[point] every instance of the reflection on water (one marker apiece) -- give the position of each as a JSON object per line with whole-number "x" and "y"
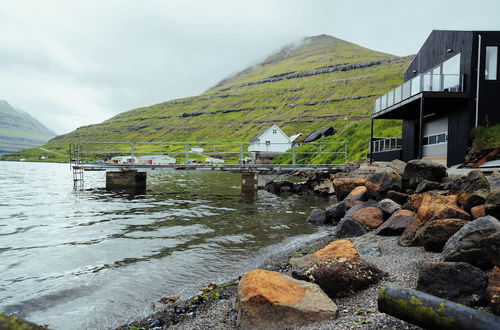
{"x": 96, "y": 258}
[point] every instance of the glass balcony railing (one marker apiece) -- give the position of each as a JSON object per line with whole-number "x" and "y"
{"x": 387, "y": 144}
{"x": 425, "y": 82}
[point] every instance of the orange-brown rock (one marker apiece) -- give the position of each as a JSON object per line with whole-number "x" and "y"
{"x": 493, "y": 290}
{"x": 357, "y": 195}
{"x": 462, "y": 197}
{"x": 271, "y": 300}
{"x": 343, "y": 186}
{"x": 433, "y": 207}
{"x": 413, "y": 202}
{"x": 478, "y": 211}
{"x": 370, "y": 217}
{"x": 336, "y": 250}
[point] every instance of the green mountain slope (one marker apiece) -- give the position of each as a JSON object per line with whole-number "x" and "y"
{"x": 316, "y": 83}
{"x": 18, "y": 130}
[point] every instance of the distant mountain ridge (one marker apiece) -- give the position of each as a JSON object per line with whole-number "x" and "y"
{"x": 315, "y": 83}
{"x": 19, "y": 130}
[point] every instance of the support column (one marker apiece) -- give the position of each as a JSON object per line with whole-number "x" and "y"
{"x": 128, "y": 179}
{"x": 421, "y": 129}
{"x": 371, "y": 141}
{"x": 249, "y": 185}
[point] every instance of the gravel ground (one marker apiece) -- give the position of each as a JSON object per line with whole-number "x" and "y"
{"x": 355, "y": 312}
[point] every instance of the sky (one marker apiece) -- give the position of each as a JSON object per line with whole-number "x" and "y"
{"x": 74, "y": 63}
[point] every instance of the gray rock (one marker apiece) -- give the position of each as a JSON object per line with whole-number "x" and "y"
{"x": 349, "y": 228}
{"x": 465, "y": 244}
{"x": 317, "y": 217}
{"x": 475, "y": 180}
{"x": 475, "y": 199}
{"x": 493, "y": 197}
{"x": 396, "y": 224}
{"x": 398, "y": 166}
{"x": 456, "y": 281}
{"x": 491, "y": 248}
{"x": 419, "y": 169}
{"x": 453, "y": 182}
{"x": 388, "y": 206}
{"x": 397, "y": 196}
{"x": 337, "y": 211}
{"x": 361, "y": 205}
{"x": 426, "y": 185}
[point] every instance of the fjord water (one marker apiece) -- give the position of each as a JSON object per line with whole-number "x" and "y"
{"x": 94, "y": 259}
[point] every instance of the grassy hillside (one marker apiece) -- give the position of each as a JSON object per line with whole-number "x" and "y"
{"x": 18, "y": 130}
{"x": 316, "y": 83}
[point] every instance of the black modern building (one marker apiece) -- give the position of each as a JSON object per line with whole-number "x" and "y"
{"x": 452, "y": 86}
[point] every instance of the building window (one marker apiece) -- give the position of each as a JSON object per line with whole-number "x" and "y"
{"x": 268, "y": 143}
{"x": 435, "y": 139}
{"x": 490, "y": 70}
{"x": 275, "y": 131}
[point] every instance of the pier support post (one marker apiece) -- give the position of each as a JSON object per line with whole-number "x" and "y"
{"x": 249, "y": 185}
{"x": 128, "y": 179}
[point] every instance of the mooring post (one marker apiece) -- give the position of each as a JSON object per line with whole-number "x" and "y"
{"x": 294, "y": 156}
{"x": 187, "y": 154}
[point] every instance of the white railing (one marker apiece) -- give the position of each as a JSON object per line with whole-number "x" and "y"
{"x": 386, "y": 144}
{"x": 425, "y": 82}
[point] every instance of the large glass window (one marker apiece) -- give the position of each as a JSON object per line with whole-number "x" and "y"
{"x": 452, "y": 65}
{"x": 490, "y": 72}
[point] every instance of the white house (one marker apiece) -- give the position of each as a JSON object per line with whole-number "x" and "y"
{"x": 213, "y": 160}
{"x": 270, "y": 142}
{"x": 156, "y": 160}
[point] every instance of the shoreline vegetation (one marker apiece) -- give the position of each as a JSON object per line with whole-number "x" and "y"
{"x": 413, "y": 225}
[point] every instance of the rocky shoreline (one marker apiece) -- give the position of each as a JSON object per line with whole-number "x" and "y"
{"x": 414, "y": 225}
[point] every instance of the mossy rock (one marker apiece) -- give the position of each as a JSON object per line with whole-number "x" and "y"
{"x": 13, "y": 323}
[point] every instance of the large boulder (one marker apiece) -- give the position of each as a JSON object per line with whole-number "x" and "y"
{"x": 317, "y": 217}
{"x": 433, "y": 207}
{"x": 434, "y": 235}
{"x": 343, "y": 186}
{"x": 360, "y": 205}
{"x": 397, "y": 223}
{"x": 271, "y": 300}
{"x": 465, "y": 244}
{"x": 493, "y": 197}
{"x": 336, "y": 211}
{"x": 456, "y": 281}
{"x": 413, "y": 202}
{"x": 278, "y": 187}
{"x": 475, "y": 180}
{"x": 493, "y": 290}
{"x": 453, "y": 183}
{"x": 475, "y": 199}
{"x": 349, "y": 228}
{"x": 398, "y": 166}
{"x": 398, "y": 197}
{"x": 418, "y": 170}
{"x": 388, "y": 207}
{"x": 357, "y": 194}
{"x": 382, "y": 181}
{"x": 370, "y": 217}
{"x": 491, "y": 247}
{"x": 427, "y": 185}
{"x": 325, "y": 187}
{"x": 337, "y": 269}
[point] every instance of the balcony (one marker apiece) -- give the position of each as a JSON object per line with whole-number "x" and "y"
{"x": 425, "y": 82}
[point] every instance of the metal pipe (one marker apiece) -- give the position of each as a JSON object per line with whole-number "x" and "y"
{"x": 478, "y": 78}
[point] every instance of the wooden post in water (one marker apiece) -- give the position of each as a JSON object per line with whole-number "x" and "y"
{"x": 249, "y": 185}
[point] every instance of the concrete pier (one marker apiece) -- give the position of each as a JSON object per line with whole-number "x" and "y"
{"x": 128, "y": 179}
{"x": 249, "y": 181}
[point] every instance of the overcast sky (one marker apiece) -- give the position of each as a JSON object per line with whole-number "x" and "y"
{"x": 73, "y": 63}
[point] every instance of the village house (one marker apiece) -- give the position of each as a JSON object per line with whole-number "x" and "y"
{"x": 451, "y": 86}
{"x": 270, "y": 143}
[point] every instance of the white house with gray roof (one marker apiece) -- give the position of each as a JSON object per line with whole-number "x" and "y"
{"x": 271, "y": 141}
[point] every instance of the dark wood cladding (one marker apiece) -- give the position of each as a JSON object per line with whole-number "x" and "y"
{"x": 489, "y": 90}
{"x": 410, "y": 140}
{"x": 458, "y": 126}
{"x": 386, "y": 156}
{"x": 435, "y": 51}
